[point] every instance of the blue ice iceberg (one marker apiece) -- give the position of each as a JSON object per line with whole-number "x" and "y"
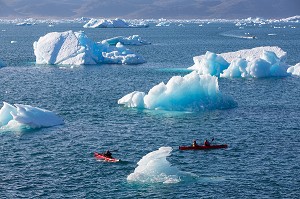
{"x": 155, "y": 168}
{"x": 267, "y": 61}
{"x": 112, "y": 23}
{"x": 131, "y": 40}
{"x": 24, "y": 116}
{"x": 75, "y": 48}
{"x": 193, "y": 92}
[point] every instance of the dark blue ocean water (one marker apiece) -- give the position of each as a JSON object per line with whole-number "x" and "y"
{"x": 262, "y": 132}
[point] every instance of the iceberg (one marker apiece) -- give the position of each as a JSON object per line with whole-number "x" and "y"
{"x": 294, "y": 70}
{"x": 75, "y": 48}
{"x": 193, "y": 92}
{"x": 268, "y": 65}
{"x": 131, "y": 40}
{"x": 268, "y": 61}
{"x": 155, "y": 168}
{"x": 28, "y": 117}
{"x": 111, "y": 23}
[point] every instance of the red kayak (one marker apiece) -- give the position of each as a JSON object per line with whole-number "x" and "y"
{"x": 100, "y": 156}
{"x": 203, "y": 147}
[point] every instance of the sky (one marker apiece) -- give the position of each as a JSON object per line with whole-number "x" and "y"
{"x": 148, "y": 9}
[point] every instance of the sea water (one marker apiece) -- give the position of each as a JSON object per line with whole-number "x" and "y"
{"x": 263, "y": 157}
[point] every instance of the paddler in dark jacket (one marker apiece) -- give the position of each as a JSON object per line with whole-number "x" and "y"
{"x": 107, "y": 154}
{"x": 194, "y": 143}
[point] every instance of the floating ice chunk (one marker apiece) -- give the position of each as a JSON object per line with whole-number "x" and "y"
{"x": 155, "y": 168}
{"x": 163, "y": 23}
{"x": 212, "y": 64}
{"x": 294, "y": 70}
{"x": 253, "y": 53}
{"x": 25, "y": 116}
{"x": 131, "y": 40}
{"x": 24, "y": 24}
{"x": 268, "y": 65}
{"x": 193, "y": 92}
{"x": 114, "y": 23}
{"x": 75, "y": 48}
{"x": 256, "y": 62}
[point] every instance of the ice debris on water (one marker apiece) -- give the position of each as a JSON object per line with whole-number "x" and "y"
{"x": 75, "y": 48}
{"x": 131, "y": 40}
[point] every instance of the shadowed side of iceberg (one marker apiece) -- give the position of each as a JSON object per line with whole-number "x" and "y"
{"x": 24, "y": 116}
{"x": 192, "y": 92}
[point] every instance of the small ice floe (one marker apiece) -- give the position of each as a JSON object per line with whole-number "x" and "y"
{"x": 19, "y": 116}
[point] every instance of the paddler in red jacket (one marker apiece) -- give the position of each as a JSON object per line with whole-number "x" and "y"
{"x": 206, "y": 143}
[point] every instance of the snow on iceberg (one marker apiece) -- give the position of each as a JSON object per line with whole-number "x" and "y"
{"x": 131, "y": 40}
{"x": 193, "y": 92}
{"x": 77, "y": 49}
{"x": 258, "y": 62}
{"x": 294, "y": 70}
{"x": 112, "y": 23}
{"x": 25, "y": 116}
{"x": 155, "y": 168}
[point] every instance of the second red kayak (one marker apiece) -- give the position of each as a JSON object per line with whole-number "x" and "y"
{"x": 203, "y": 147}
{"x": 100, "y": 156}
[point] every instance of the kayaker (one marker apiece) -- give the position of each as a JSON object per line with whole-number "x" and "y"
{"x": 194, "y": 143}
{"x": 206, "y": 143}
{"x": 107, "y": 154}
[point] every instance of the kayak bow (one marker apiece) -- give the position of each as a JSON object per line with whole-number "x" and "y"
{"x": 203, "y": 147}
{"x": 100, "y": 156}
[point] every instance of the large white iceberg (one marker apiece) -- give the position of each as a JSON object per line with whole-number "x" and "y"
{"x": 28, "y": 117}
{"x": 75, "y": 48}
{"x": 258, "y": 62}
{"x": 131, "y": 40}
{"x": 294, "y": 70}
{"x": 155, "y": 168}
{"x": 193, "y": 92}
{"x": 112, "y": 23}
